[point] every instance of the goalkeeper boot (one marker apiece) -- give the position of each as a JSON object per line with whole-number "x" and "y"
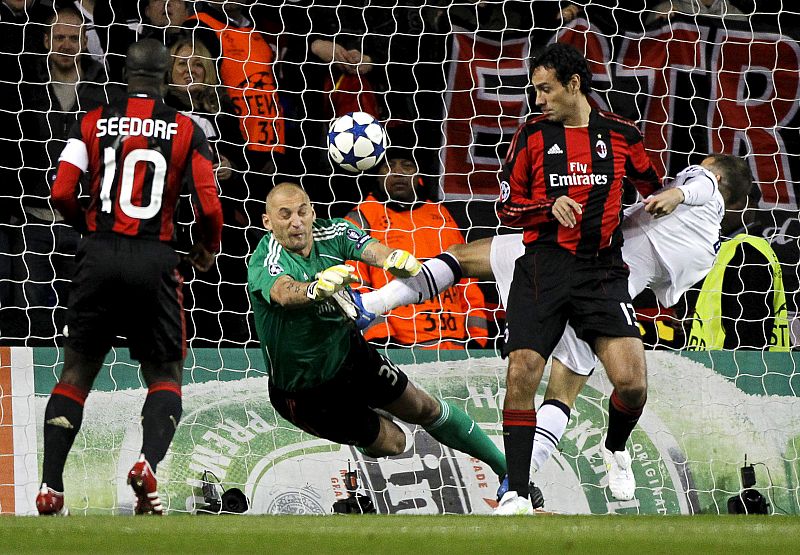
{"x": 50, "y": 502}
{"x": 513, "y": 504}
{"x": 350, "y": 304}
{"x": 535, "y": 493}
{"x": 143, "y": 481}
{"x": 620, "y": 474}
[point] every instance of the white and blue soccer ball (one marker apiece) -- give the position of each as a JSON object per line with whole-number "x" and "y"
{"x": 356, "y": 142}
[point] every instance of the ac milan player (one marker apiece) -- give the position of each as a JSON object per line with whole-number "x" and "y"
{"x": 563, "y": 181}
{"x": 139, "y": 154}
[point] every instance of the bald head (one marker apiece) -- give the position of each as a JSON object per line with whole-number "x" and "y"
{"x": 283, "y": 189}
{"x": 147, "y": 59}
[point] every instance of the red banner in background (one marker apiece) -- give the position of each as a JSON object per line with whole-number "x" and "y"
{"x": 694, "y": 86}
{"x": 697, "y": 87}
{"x": 485, "y": 100}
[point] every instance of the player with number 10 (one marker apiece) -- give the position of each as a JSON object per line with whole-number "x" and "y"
{"x": 139, "y": 154}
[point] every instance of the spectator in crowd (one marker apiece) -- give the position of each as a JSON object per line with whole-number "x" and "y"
{"x": 194, "y": 89}
{"x": 95, "y": 35}
{"x": 21, "y": 23}
{"x": 400, "y": 216}
{"x": 227, "y": 30}
{"x": 66, "y": 83}
{"x": 616, "y": 16}
{"x": 336, "y": 61}
{"x": 166, "y": 16}
{"x": 128, "y": 22}
{"x": 741, "y": 303}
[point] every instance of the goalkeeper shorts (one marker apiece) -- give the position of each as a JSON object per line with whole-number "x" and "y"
{"x": 341, "y": 409}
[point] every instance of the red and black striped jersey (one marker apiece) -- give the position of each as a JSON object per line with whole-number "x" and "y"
{"x": 140, "y": 155}
{"x": 547, "y": 160}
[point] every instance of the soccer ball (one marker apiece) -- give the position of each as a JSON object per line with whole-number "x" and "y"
{"x": 356, "y": 142}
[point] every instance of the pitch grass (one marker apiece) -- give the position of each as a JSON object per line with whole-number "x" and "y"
{"x": 348, "y": 534}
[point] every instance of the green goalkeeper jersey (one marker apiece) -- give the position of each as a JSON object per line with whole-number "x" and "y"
{"x": 304, "y": 346}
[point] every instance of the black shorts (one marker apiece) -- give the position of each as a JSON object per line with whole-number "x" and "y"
{"x": 341, "y": 409}
{"x": 551, "y": 287}
{"x": 126, "y": 287}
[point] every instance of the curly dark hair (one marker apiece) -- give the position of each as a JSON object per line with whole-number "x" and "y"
{"x": 566, "y": 61}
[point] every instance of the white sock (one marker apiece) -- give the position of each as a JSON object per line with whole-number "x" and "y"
{"x": 437, "y": 275}
{"x": 551, "y": 421}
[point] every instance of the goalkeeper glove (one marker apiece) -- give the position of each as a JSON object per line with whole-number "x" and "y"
{"x": 402, "y": 264}
{"x": 331, "y": 280}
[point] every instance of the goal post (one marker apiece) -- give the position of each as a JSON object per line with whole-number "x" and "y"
{"x": 450, "y": 80}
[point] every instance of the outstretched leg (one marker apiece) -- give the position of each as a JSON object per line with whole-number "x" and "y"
{"x": 471, "y": 260}
{"x": 448, "y": 424}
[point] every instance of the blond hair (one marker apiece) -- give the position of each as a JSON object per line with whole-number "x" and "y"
{"x": 206, "y": 98}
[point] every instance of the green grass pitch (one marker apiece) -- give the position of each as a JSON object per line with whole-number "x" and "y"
{"x": 376, "y": 534}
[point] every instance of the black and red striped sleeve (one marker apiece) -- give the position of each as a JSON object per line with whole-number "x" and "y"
{"x": 73, "y": 161}
{"x": 519, "y": 205}
{"x": 203, "y": 187}
{"x": 639, "y": 169}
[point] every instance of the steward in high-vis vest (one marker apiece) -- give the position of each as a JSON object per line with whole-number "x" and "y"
{"x": 246, "y": 71}
{"x": 425, "y": 229}
{"x": 742, "y": 303}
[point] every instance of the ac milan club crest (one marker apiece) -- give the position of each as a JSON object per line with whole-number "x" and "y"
{"x": 601, "y": 148}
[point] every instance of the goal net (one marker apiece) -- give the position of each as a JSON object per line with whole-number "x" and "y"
{"x": 450, "y": 83}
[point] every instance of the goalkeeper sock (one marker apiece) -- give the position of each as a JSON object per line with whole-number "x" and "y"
{"x": 62, "y": 421}
{"x": 160, "y": 416}
{"x": 551, "y": 421}
{"x": 519, "y": 428}
{"x": 621, "y": 421}
{"x": 437, "y": 274}
{"x": 456, "y": 429}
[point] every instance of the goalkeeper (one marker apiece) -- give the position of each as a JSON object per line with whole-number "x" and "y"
{"x": 323, "y": 376}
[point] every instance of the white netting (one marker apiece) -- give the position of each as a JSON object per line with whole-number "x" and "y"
{"x": 449, "y": 80}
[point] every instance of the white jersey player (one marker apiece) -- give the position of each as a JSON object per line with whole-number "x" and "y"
{"x": 670, "y": 241}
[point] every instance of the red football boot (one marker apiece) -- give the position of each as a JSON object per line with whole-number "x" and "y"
{"x": 50, "y": 502}
{"x": 143, "y": 481}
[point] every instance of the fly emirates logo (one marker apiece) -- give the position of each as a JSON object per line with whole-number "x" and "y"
{"x": 577, "y": 176}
